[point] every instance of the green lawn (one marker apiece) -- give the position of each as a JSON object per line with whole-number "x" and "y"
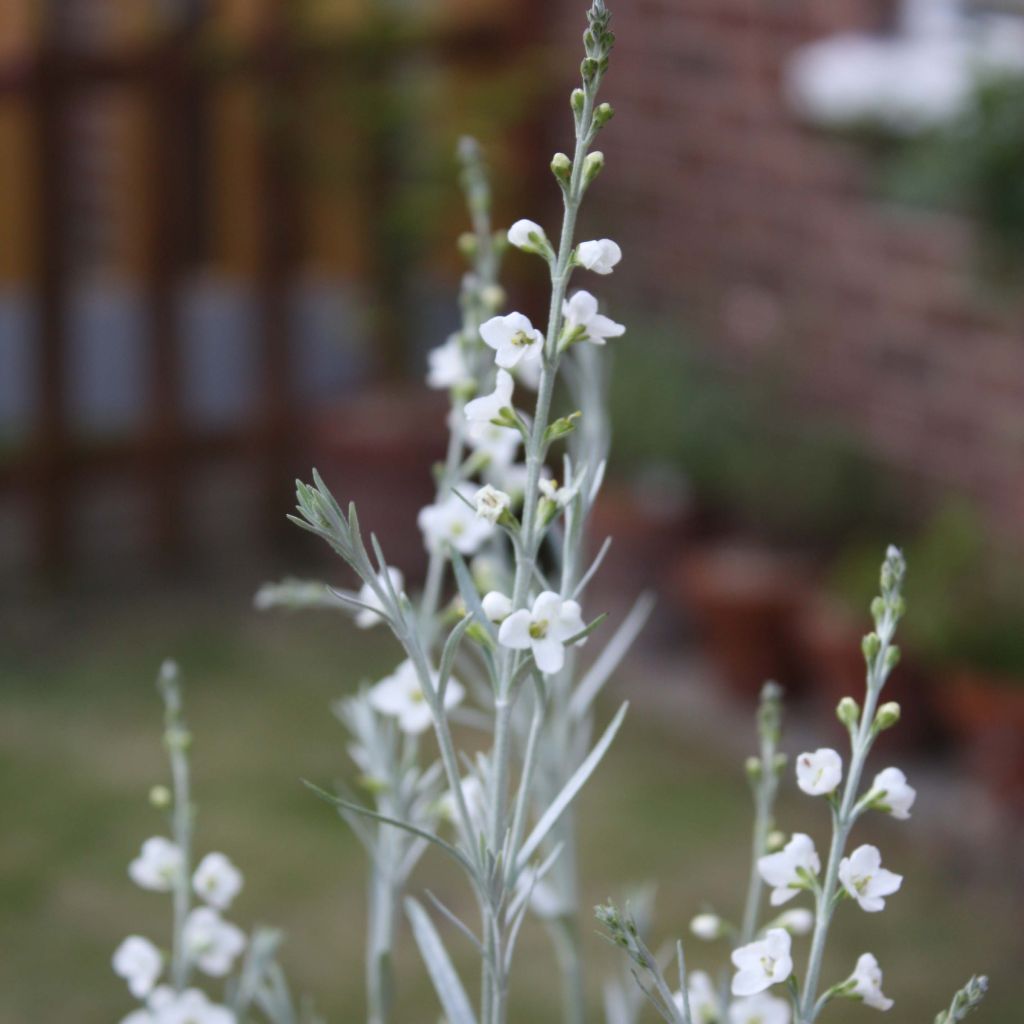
{"x": 79, "y": 742}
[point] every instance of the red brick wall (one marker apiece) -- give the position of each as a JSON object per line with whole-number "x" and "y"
{"x": 768, "y": 237}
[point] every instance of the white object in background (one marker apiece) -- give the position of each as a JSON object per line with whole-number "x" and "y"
{"x": 919, "y": 79}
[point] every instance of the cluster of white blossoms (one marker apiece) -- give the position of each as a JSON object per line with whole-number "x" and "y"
{"x": 211, "y": 943}
{"x": 400, "y": 696}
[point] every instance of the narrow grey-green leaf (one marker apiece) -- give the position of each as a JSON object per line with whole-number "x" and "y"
{"x": 569, "y": 790}
{"x": 446, "y": 982}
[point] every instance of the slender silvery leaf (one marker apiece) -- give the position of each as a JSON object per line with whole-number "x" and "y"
{"x": 569, "y": 791}
{"x": 405, "y": 825}
{"x": 451, "y": 646}
{"x": 611, "y": 657}
{"x": 296, "y": 595}
{"x": 467, "y": 588}
{"x": 446, "y": 982}
{"x": 594, "y": 566}
{"x": 452, "y": 919}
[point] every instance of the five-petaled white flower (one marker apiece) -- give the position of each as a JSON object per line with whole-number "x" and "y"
{"x": 584, "y": 323}
{"x": 446, "y": 366}
{"x": 763, "y": 963}
{"x": 491, "y": 504}
{"x": 189, "y": 1007}
{"x": 895, "y": 795}
{"x": 217, "y": 880}
{"x": 706, "y": 926}
{"x": 601, "y": 256}
{"x": 140, "y": 963}
{"x": 798, "y": 921}
{"x": 513, "y": 338}
{"x": 760, "y": 1009}
{"x": 703, "y": 998}
{"x": 157, "y": 865}
{"x": 791, "y": 870}
{"x": 452, "y": 521}
{"x": 365, "y": 618}
{"x": 527, "y": 235}
{"x": 867, "y": 979}
{"x": 543, "y": 630}
{"x": 212, "y": 942}
{"x": 401, "y": 696}
{"x": 819, "y": 773}
{"x": 484, "y": 410}
{"x": 865, "y": 879}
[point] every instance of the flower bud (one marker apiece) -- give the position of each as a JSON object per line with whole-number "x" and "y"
{"x": 493, "y": 296}
{"x": 753, "y": 767}
{"x": 590, "y": 69}
{"x": 160, "y": 797}
{"x": 561, "y": 167}
{"x": 848, "y": 712}
{"x": 593, "y": 166}
{"x": 871, "y": 645}
{"x": 878, "y": 609}
{"x": 779, "y": 763}
{"x": 707, "y": 927}
{"x": 467, "y": 244}
{"x": 604, "y": 113}
{"x": 892, "y": 657}
{"x": 776, "y": 841}
{"x": 578, "y": 99}
{"x": 888, "y": 715}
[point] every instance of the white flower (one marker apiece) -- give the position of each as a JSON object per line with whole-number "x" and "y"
{"x": 446, "y": 366}
{"x": 866, "y": 880}
{"x": 760, "y": 1009}
{"x": 212, "y": 942}
{"x": 473, "y": 797}
{"x": 790, "y": 870}
{"x": 601, "y": 256}
{"x": 561, "y": 496}
{"x": 157, "y": 865}
{"x": 706, "y": 926}
{"x": 140, "y": 963}
{"x": 543, "y": 630}
{"x": 581, "y": 316}
{"x": 763, "y": 963}
{"x": 217, "y": 880}
{"x": 366, "y": 619}
{"x": 819, "y": 773}
{"x": 703, "y": 998}
{"x": 867, "y": 979}
{"x": 189, "y": 1007}
{"x": 401, "y": 696}
{"x": 487, "y": 408}
{"x": 491, "y": 504}
{"x": 513, "y": 338}
{"x": 894, "y": 794}
{"x": 497, "y": 606}
{"x": 520, "y": 232}
{"x": 452, "y": 521}
{"x": 498, "y": 445}
{"x": 798, "y": 921}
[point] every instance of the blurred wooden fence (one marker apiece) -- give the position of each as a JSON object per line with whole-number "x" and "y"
{"x": 170, "y": 77}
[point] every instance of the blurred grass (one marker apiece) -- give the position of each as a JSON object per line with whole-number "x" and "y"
{"x": 79, "y": 749}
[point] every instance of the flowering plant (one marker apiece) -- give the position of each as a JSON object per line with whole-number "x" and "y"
{"x": 491, "y": 644}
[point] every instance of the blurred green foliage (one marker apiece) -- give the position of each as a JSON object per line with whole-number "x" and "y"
{"x": 749, "y": 460}
{"x": 975, "y": 166}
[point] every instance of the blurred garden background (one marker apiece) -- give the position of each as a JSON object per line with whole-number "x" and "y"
{"x": 228, "y": 241}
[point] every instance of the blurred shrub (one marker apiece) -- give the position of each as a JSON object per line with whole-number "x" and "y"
{"x": 749, "y": 461}
{"x": 975, "y": 166}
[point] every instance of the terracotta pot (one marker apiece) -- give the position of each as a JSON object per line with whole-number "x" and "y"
{"x": 830, "y": 637}
{"x": 986, "y": 714}
{"x": 743, "y": 600}
{"x": 376, "y": 449}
